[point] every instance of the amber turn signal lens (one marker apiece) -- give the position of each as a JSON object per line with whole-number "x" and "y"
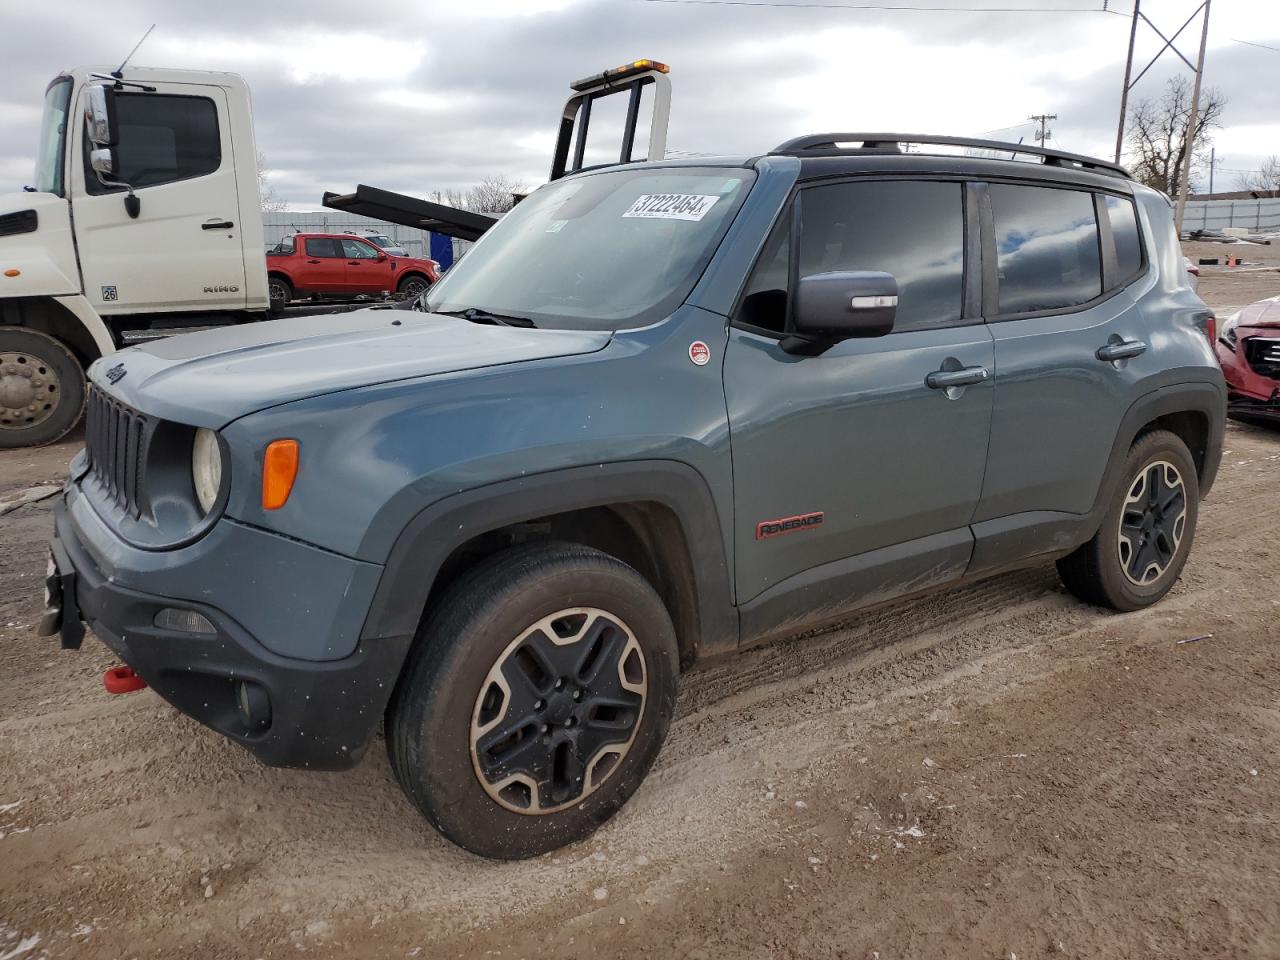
{"x": 279, "y": 469}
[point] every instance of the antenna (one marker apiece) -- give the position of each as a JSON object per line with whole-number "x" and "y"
{"x": 118, "y": 72}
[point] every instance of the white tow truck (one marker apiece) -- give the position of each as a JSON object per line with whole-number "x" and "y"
{"x": 145, "y": 217}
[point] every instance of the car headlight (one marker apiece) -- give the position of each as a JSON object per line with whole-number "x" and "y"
{"x": 1227, "y": 333}
{"x": 206, "y": 468}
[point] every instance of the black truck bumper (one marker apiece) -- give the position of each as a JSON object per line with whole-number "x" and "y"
{"x": 287, "y": 712}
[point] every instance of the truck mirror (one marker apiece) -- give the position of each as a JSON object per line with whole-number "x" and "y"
{"x": 100, "y": 115}
{"x": 103, "y": 161}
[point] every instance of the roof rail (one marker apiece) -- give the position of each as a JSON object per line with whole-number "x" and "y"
{"x": 826, "y": 145}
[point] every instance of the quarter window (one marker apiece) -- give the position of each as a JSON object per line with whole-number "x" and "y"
{"x": 911, "y": 229}
{"x": 1046, "y": 247}
{"x": 764, "y": 302}
{"x": 323, "y": 247}
{"x": 1124, "y": 230}
{"x": 161, "y": 139}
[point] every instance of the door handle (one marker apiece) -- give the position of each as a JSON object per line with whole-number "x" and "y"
{"x": 964, "y": 377}
{"x": 313, "y": 261}
{"x": 353, "y": 263}
{"x": 217, "y": 225}
{"x": 1121, "y": 350}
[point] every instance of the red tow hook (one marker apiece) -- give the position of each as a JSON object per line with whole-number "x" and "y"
{"x": 122, "y": 680}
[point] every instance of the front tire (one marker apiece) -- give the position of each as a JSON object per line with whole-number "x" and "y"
{"x": 535, "y": 700}
{"x": 42, "y": 389}
{"x": 412, "y": 287}
{"x": 1138, "y": 554}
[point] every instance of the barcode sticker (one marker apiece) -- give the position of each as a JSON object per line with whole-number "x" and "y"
{"x": 671, "y": 206}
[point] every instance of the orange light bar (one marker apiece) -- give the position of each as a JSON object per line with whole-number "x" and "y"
{"x": 610, "y": 77}
{"x": 279, "y": 469}
{"x": 635, "y": 66}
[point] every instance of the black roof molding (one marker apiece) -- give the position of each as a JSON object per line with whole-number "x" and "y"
{"x": 828, "y": 145}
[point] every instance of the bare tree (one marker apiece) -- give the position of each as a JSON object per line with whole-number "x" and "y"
{"x": 1265, "y": 181}
{"x": 494, "y": 195}
{"x": 1158, "y": 135}
{"x": 271, "y": 202}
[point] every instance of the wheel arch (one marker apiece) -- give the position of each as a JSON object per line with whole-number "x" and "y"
{"x": 1195, "y": 412}
{"x": 657, "y": 516}
{"x": 72, "y": 323}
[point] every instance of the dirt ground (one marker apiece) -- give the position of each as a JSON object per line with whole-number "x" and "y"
{"x": 999, "y": 771}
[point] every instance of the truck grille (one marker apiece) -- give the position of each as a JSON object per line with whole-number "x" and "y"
{"x": 115, "y": 442}
{"x": 1263, "y": 354}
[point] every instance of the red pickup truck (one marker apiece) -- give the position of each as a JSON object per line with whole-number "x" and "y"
{"x": 342, "y": 265}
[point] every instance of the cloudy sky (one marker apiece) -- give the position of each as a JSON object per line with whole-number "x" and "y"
{"x": 421, "y": 95}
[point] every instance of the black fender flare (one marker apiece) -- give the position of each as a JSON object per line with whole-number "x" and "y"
{"x": 1203, "y": 397}
{"x": 429, "y": 538}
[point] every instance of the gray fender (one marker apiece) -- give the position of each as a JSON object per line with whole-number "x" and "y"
{"x": 435, "y": 532}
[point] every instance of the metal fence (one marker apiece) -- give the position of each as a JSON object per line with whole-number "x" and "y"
{"x": 1260, "y": 216}
{"x": 416, "y": 242}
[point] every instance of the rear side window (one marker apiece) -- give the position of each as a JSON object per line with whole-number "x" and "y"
{"x": 1046, "y": 246}
{"x": 323, "y": 247}
{"x": 161, "y": 139}
{"x": 1124, "y": 229}
{"x": 911, "y": 229}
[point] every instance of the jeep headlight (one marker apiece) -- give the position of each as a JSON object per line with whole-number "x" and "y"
{"x": 206, "y": 468}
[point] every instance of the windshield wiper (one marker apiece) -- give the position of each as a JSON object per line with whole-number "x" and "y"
{"x": 476, "y": 315}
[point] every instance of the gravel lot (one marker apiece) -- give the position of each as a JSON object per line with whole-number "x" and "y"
{"x": 991, "y": 772}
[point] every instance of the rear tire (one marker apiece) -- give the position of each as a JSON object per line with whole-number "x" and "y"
{"x": 536, "y": 698}
{"x": 1138, "y": 554}
{"x": 280, "y": 292}
{"x": 42, "y": 389}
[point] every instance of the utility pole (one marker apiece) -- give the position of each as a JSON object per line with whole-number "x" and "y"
{"x": 1042, "y": 119}
{"x": 1190, "y": 139}
{"x": 1128, "y": 69}
{"x": 1169, "y": 45}
{"x": 1213, "y": 162}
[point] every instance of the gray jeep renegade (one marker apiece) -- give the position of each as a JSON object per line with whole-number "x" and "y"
{"x": 660, "y": 411}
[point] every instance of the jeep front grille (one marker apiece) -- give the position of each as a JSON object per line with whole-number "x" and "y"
{"x": 115, "y": 441}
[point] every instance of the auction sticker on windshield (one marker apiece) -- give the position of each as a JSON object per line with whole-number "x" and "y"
{"x": 671, "y": 206}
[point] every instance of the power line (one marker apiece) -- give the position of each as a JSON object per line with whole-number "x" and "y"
{"x": 899, "y": 7}
{"x": 1250, "y": 43}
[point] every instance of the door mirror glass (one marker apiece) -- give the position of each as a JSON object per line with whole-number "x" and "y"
{"x": 100, "y": 116}
{"x": 103, "y": 161}
{"x": 844, "y": 304}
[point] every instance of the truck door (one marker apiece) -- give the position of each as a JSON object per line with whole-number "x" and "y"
{"x": 366, "y": 273}
{"x": 856, "y": 472}
{"x": 183, "y": 252}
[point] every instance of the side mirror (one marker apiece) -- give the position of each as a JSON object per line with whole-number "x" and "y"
{"x": 102, "y": 130}
{"x": 382, "y": 258}
{"x": 841, "y": 305}
{"x": 100, "y": 116}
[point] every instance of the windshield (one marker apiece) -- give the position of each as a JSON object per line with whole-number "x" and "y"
{"x": 53, "y": 137}
{"x": 598, "y": 252}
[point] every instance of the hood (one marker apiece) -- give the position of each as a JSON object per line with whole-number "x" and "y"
{"x": 35, "y": 241}
{"x": 211, "y": 378}
{"x": 1264, "y": 313}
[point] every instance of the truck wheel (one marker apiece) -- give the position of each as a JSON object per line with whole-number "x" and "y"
{"x": 412, "y": 286}
{"x": 280, "y": 292}
{"x": 41, "y": 389}
{"x": 1138, "y": 554}
{"x": 535, "y": 700}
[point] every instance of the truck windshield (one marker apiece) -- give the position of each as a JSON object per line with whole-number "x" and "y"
{"x": 53, "y": 137}
{"x": 603, "y": 251}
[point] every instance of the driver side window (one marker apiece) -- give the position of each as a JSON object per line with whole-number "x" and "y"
{"x": 162, "y": 139}
{"x": 359, "y": 250}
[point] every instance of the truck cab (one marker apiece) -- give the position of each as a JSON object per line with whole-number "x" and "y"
{"x": 146, "y": 214}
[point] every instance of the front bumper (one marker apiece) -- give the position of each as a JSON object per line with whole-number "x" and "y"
{"x": 317, "y": 714}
